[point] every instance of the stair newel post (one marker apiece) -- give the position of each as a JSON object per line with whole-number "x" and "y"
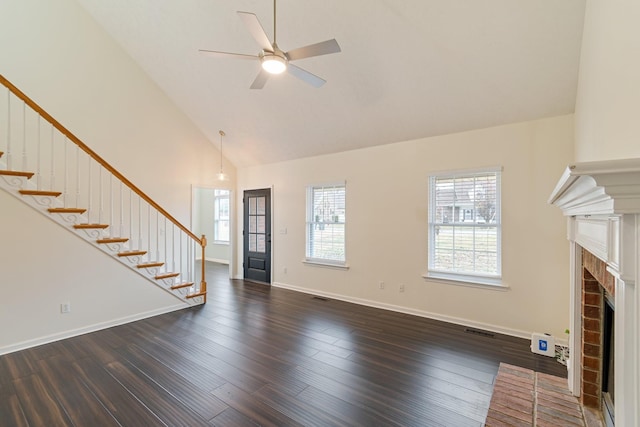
{"x": 203, "y": 282}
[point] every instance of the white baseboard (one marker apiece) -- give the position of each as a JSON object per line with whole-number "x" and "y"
{"x": 406, "y": 310}
{"x": 91, "y": 328}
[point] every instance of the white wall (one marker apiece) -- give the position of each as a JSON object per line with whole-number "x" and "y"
{"x": 44, "y": 265}
{"x": 387, "y": 225}
{"x": 57, "y": 55}
{"x": 607, "y": 125}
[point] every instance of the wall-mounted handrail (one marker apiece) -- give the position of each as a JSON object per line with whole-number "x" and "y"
{"x": 70, "y": 136}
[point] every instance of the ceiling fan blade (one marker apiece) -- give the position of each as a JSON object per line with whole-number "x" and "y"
{"x": 227, "y": 54}
{"x": 322, "y": 48}
{"x": 306, "y": 76}
{"x": 260, "y": 80}
{"x": 253, "y": 25}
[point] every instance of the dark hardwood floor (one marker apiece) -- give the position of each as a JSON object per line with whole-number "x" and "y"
{"x": 256, "y": 355}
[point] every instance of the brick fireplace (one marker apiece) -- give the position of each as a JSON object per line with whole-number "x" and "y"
{"x": 601, "y": 201}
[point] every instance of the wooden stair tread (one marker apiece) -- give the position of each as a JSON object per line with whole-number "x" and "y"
{"x": 166, "y": 276}
{"x": 27, "y": 175}
{"x": 112, "y": 240}
{"x": 197, "y": 294}
{"x": 182, "y": 285}
{"x": 150, "y": 264}
{"x": 40, "y": 193}
{"x": 67, "y": 210}
{"x": 88, "y": 226}
{"x": 131, "y": 253}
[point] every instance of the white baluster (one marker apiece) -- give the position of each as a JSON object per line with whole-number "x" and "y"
{"x": 53, "y": 177}
{"x": 121, "y": 211}
{"x": 173, "y": 247}
{"x": 89, "y": 189}
{"x": 39, "y": 149}
{"x": 24, "y": 136}
{"x": 77, "y": 176}
{"x": 149, "y": 229}
{"x": 131, "y": 217}
{"x": 157, "y": 236}
{"x": 166, "y": 258}
{"x": 111, "y": 220}
{"x": 9, "y": 155}
{"x": 101, "y": 207}
{"x": 189, "y": 270}
{"x": 66, "y": 173}
{"x": 140, "y": 222}
{"x": 192, "y": 264}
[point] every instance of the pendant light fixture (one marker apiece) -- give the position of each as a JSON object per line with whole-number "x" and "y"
{"x": 221, "y": 175}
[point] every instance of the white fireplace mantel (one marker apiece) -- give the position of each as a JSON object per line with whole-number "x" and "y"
{"x": 602, "y": 202}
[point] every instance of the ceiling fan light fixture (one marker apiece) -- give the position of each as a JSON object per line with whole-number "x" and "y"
{"x": 274, "y": 64}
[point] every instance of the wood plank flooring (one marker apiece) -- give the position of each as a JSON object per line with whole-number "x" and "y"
{"x": 256, "y": 355}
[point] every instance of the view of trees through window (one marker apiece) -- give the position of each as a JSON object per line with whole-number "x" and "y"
{"x": 464, "y": 224}
{"x": 326, "y": 218}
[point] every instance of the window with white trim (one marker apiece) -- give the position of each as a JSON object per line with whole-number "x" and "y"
{"x": 326, "y": 222}
{"x": 221, "y": 216}
{"x": 464, "y": 226}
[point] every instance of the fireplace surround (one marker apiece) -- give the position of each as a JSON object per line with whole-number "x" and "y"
{"x": 598, "y": 336}
{"x": 601, "y": 201}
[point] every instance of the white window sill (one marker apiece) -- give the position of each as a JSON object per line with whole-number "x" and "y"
{"x": 468, "y": 281}
{"x": 221, "y": 243}
{"x": 326, "y": 264}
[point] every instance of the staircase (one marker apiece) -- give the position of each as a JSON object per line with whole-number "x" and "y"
{"x": 47, "y": 167}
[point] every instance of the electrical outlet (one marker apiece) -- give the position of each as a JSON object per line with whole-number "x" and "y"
{"x": 65, "y": 308}
{"x": 381, "y": 285}
{"x": 401, "y": 288}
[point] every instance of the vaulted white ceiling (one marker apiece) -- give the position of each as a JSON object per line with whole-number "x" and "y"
{"x": 408, "y": 68}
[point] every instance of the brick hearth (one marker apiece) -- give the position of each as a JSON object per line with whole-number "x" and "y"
{"x": 522, "y": 397}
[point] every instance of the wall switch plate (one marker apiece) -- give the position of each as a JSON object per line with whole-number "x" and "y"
{"x": 381, "y": 285}
{"x": 65, "y": 308}
{"x": 401, "y": 288}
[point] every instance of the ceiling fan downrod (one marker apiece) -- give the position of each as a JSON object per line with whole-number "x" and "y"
{"x": 274, "y": 21}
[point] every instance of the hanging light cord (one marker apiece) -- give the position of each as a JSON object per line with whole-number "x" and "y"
{"x": 221, "y": 135}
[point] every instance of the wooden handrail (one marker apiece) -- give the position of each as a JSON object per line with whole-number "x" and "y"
{"x": 18, "y": 93}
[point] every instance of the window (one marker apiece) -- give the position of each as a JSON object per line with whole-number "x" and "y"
{"x": 464, "y": 226}
{"x": 221, "y": 216}
{"x": 326, "y": 215}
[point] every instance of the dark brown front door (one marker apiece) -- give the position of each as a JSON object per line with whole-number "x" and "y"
{"x": 257, "y": 235}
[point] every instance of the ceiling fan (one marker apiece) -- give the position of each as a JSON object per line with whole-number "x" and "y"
{"x": 272, "y": 58}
